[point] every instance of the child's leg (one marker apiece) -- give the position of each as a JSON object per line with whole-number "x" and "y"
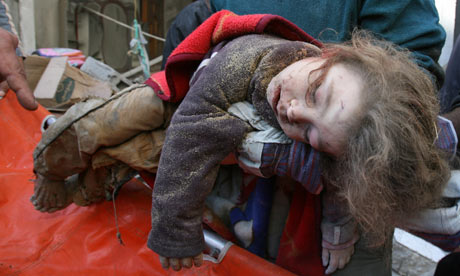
{"x": 141, "y": 152}
{"x": 110, "y": 168}
{"x": 85, "y": 188}
{"x": 95, "y": 185}
{"x": 68, "y": 145}
{"x": 50, "y": 195}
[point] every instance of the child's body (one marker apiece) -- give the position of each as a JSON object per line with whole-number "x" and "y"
{"x": 203, "y": 130}
{"x": 317, "y": 99}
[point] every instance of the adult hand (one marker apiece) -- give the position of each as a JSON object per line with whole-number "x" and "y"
{"x": 178, "y": 263}
{"x": 12, "y": 73}
{"x": 334, "y": 259}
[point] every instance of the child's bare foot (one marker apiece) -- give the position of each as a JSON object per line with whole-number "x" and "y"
{"x": 51, "y": 195}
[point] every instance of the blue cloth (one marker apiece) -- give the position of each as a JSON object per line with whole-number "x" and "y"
{"x": 257, "y": 209}
{"x": 413, "y": 24}
{"x": 449, "y": 95}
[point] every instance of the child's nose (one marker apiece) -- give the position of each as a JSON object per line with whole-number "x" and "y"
{"x": 297, "y": 112}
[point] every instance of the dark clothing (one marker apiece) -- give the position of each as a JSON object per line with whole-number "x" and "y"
{"x": 449, "y": 95}
{"x": 412, "y": 24}
{"x": 203, "y": 131}
{"x": 449, "y": 265}
{"x": 185, "y": 23}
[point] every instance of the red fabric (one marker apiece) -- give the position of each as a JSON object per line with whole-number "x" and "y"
{"x": 82, "y": 240}
{"x": 300, "y": 246}
{"x": 173, "y": 83}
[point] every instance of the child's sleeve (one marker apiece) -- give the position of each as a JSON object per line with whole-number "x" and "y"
{"x": 267, "y": 151}
{"x": 296, "y": 160}
{"x": 301, "y": 162}
{"x": 201, "y": 134}
{"x": 339, "y": 229}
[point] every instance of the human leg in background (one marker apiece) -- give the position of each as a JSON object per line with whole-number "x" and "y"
{"x": 185, "y": 23}
{"x": 449, "y": 94}
{"x": 369, "y": 261}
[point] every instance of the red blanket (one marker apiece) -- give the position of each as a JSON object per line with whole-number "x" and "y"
{"x": 300, "y": 249}
{"x": 172, "y": 83}
{"x": 78, "y": 240}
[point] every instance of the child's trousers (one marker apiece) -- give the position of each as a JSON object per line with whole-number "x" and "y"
{"x": 104, "y": 141}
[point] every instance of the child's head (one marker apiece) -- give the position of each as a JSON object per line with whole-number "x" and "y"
{"x": 315, "y": 105}
{"x": 386, "y": 163}
{"x": 391, "y": 166}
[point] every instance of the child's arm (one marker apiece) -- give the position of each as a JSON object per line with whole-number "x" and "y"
{"x": 339, "y": 231}
{"x": 265, "y": 153}
{"x": 301, "y": 162}
{"x": 202, "y": 133}
{"x": 200, "y": 136}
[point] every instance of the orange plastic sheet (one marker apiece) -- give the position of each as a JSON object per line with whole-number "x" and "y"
{"x": 81, "y": 240}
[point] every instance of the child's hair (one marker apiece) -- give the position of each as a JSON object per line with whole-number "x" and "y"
{"x": 392, "y": 166}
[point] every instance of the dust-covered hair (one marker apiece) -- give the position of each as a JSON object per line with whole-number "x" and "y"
{"x": 391, "y": 167}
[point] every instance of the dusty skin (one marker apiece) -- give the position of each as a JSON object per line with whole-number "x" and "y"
{"x": 178, "y": 263}
{"x": 52, "y": 195}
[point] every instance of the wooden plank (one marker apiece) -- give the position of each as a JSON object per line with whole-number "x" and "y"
{"x": 49, "y": 81}
{"x": 153, "y": 15}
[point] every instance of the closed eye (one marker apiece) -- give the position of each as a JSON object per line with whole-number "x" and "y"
{"x": 315, "y": 80}
{"x": 306, "y": 134}
{"x": 310, "y": 95}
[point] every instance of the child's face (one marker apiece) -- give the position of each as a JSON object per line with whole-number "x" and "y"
{"x": 322, "y": 122}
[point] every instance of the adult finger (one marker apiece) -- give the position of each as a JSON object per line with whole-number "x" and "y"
{"x": 3, "y": 89}
{"x": 198, "y": 260}
{"x": 12, "y": 70}
{"x": 17, "y": 82}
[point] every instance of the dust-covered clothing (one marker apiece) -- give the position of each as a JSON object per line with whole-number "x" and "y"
{"x": 97, "y": 135}
{"x": 202, "y": 133}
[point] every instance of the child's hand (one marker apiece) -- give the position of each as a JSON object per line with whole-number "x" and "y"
{"x": 179, "y": 263}
{"x": 338, "y": 258}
